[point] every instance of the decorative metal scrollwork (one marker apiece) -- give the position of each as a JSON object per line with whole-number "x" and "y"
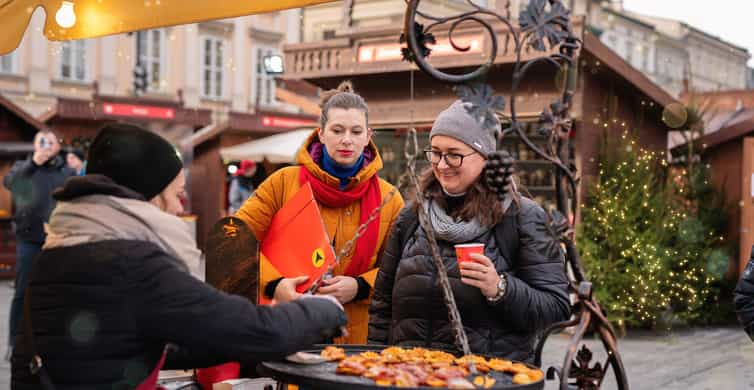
{"x": 542, "y": 25}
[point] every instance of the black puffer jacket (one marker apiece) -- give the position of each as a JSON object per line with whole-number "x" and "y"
{"x": 407, "y": 307}
{"x": 102, "y": 312}
{"x": 744, "y": 297}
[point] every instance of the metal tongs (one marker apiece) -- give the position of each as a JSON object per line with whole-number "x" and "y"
{"x": 317, "y": 283}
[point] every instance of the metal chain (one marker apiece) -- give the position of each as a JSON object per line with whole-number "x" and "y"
{"x": 348, "y": 246}
{"x": 447, "y": 292}
{"x": 411, "y": 152}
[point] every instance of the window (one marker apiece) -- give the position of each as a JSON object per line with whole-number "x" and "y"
{"x": 151, "y": 50}
{"x": 73, "y": 61}
{"x": 264, "y": 84}
{"x": 644, "y": 52}
{"x": 663, "y": 64}
{"x": 612, "y": 42}
{"x": 629, "y": 52}
{"x": 7, "y": 63}
{"x": 212, "y": 68}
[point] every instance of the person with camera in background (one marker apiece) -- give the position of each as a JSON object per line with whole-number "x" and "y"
{"x": 31, "y": 183}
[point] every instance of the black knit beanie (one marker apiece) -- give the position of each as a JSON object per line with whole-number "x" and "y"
{"x": 135, "y": 158}
{"x": 79, "y": 153}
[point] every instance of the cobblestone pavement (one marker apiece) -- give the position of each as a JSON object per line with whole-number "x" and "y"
{"x": 697, "y": 359}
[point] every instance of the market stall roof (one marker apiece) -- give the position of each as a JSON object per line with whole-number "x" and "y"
{"x": 31, "y": 124}
{"x": 96, "y": 18}
{"x": 277, "y": 149}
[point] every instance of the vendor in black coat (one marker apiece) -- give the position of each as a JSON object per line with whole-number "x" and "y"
{"x": 503, "y": 302}
{"x": 113, "y": 284}
{"x": 744, "y": 297}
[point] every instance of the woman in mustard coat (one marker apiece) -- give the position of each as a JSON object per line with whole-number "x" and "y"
{"x": 341, "y": 163}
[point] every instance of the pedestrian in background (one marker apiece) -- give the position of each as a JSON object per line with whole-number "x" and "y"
{"x": 31, "y": 183}
{"x": 76, "y": 161}
{"x": 241, "y": 186}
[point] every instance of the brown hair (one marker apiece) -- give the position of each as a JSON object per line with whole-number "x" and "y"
{"x": 342, "y": 97}
{"x": 481, "y": 202}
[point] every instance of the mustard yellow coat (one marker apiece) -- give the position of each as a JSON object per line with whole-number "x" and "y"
{"x": 341, "y": 223}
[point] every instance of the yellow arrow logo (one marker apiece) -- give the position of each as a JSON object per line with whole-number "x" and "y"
{"x": 318, "y": 257}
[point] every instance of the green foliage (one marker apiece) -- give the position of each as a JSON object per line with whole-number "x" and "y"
{"x": 650, "y": 237}
{"x": 700, "y": 242}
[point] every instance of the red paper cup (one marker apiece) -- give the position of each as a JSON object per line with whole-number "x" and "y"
{"x": 464, "y": 250}
{"x": 207, "y": 376}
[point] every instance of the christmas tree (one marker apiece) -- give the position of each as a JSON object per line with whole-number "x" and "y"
{"x": 622, "y": 253}
{"x": 646, "y": 241}
{"x": 700, "y": 214}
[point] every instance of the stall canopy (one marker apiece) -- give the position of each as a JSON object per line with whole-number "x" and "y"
{"x": 78, "y": 19}
{"x": 277, "y": 149}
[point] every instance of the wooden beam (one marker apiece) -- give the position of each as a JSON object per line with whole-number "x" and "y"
{"x": 307, "y": 105}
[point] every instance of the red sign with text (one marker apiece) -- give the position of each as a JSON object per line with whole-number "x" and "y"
{"x": 138, "y": 111}
{"x": 278, "y": 121}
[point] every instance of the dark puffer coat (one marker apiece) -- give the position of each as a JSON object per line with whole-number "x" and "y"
{"x": 102, "y": 312}
{"x": 744, "y": 297}
{"x": 407, "y": 306}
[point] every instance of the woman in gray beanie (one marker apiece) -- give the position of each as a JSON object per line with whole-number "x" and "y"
{"x": 505, "y": 296}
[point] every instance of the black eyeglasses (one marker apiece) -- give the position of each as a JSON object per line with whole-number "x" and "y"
{"x": 454, "y": 160}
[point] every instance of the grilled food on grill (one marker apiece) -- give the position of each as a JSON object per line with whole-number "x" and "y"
{"x": 415, "y": 367}
{"x": 333, "y": 353}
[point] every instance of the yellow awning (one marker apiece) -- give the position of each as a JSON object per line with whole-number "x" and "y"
{"x": 95, "y": 18}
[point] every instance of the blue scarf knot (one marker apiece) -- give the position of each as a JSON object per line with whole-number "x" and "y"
{"x": 344, "y": 174}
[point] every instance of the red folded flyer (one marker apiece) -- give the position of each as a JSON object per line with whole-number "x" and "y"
{"x": 296, "y": 243}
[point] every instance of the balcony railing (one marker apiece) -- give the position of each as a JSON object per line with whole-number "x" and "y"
{"x": 377, "y": 50}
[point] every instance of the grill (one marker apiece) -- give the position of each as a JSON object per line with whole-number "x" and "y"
{"x": 323, "y": 377}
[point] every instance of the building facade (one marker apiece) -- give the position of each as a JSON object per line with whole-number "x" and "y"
{"x": 196, "y": 77}
{"x": 217, "y": 65}
{"x": 665, "y": 50}
{"x": 325, "y": 21}
{"x": 660, "y": 57}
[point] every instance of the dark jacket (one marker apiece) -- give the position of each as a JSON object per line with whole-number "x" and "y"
{"x": 102, "y": 312}
{"x": 407, "y": 306}
{"x": 744, "y": 297}
{"x": 31, "y": 186}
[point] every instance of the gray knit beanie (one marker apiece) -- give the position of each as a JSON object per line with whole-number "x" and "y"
{"x": 456, "y": 122}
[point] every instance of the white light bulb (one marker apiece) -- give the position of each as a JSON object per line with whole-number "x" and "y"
{"x": 65, "y": 16}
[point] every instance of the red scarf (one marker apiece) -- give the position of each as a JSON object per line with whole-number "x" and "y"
{"x": 370, "y": 196}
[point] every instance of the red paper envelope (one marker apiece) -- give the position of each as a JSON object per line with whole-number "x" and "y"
{"x": 296, "y": 242}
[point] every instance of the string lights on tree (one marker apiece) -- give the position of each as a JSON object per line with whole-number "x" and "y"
{"x": 647, "y": 248}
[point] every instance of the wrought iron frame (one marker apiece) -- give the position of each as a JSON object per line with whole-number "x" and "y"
{"x": 543, "y": 23}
